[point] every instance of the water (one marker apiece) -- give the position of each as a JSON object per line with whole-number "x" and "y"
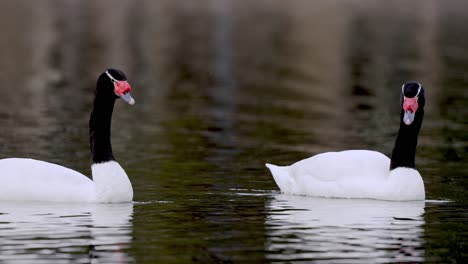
{"x": 222, "y": 87}
{"x": 58, "y": 233}
{"x": 349, "y": 231}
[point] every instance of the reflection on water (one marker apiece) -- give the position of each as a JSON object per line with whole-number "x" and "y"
{"x": 345, "y": 230}
{"x": 56, "y": 232}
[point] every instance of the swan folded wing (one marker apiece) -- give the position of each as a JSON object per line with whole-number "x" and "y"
{"x": 347, "y": 174}
{"x": 343, "y": 165}
{"x": 33, "y": 180}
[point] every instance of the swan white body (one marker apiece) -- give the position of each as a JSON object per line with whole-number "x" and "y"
{"x": 34, "y": 180}
{"x": 349, "y": 174}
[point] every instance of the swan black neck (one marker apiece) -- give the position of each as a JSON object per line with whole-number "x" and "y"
{"x": 404, "y": 151}
{"x": 100, "y": 125}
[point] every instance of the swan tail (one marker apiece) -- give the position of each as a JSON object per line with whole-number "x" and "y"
{"x": 281, "y": 176}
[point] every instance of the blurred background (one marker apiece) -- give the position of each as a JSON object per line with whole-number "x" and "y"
{"x": 223, "y": 86}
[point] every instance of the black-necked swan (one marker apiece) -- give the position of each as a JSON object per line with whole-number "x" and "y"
{"x": 33, "y": 180}
{"x": 364, "y": 173}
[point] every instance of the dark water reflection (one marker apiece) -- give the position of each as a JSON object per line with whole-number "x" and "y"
{"x": 60, "y": 233}
{"x": 223, "y": 87}
{"x": 345, "y": 231}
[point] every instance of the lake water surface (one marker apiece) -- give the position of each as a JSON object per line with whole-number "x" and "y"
{"x": 222, "y": 87}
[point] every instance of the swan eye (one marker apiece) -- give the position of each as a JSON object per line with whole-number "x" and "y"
{"x": 111, "y": 77}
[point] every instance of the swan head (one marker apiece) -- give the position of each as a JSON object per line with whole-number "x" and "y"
{"x": 114, "y": 83}
{"x": 412, "y": 99}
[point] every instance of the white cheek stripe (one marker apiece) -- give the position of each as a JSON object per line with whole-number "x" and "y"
{"x": 110, "y": 77}
{"x": 113, "y": 81}
{"x": 417, "y": 94}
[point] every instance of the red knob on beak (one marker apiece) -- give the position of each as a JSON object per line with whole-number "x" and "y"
{"x": 410, "y": 106}
{"x": 122, "y": 89}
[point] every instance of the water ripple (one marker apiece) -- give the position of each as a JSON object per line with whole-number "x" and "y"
{"x": 344, "y": 230}
{"x": 63, "y": 232}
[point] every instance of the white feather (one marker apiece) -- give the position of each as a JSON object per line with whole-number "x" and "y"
{"x": 34, "y": 180}
{"x": 349, "y": 174}
{"x": 111, "y": 183}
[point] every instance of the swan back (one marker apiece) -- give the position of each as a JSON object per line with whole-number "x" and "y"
{"x": 345, "y": 165}
{"x": 34, "y": 180}
{"x": 111, "y": 183}
{"x": 345, "y": 174}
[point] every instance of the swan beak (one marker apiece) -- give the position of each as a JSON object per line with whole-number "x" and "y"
{"x": 128, "y": 98}
{"x": 122, "y": 89}
{"x": 408, "y": 118}
{"x": 410, "y": 106}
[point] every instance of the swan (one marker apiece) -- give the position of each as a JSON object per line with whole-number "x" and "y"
{"x": 25, "y": 179}
{"x": 364, "y": 173}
